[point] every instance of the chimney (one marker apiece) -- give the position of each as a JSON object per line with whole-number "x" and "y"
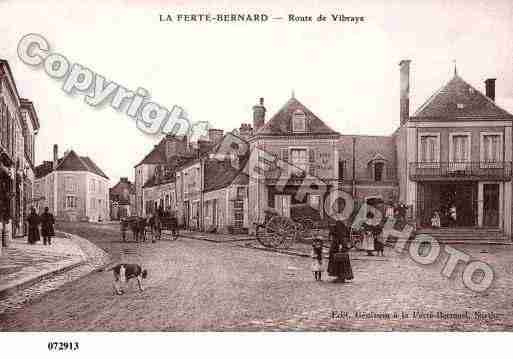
{"x": 215, "y": 135}
{"x": 259, "y": 115}
{"x": 124, "y": 179}
{"x": 404, "y": 108}
{"x": 245, "y": 130}
{"x": 490, "y": 88}
{"x": 55, "y": 156}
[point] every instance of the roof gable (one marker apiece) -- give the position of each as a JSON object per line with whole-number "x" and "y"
{"x": 157, "y": 155}
{"x": 71, "y": 162}
{"x": 458, "y": 99}
{"x": 281, "y": 122}
{"x": 92, "y": 167}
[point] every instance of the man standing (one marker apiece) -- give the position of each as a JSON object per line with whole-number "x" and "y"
{"x": 33, "y": 224}
{"x": 47, "y": 222}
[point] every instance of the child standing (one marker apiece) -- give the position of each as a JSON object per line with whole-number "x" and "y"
{"x": 317, "y": 258}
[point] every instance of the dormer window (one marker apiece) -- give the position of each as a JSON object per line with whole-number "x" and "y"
{"x": 299, "y": 121}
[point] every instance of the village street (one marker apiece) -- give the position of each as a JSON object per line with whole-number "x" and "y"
{"x": 200, "y": 285}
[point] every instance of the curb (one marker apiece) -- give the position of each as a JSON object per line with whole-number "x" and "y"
{"x": 5, "y": 292}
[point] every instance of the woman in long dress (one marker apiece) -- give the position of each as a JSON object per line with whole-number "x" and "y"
{"x": 33, "y": 226}
{"x": 339, "y": 264}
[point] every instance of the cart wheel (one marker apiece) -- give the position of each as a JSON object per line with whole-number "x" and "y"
{"x": 285, "y": 231}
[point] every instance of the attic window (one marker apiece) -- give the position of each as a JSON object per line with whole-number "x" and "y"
{"x": 460, "y": 105}
{"x": 470, "y": 90}
{"x": 299, "y": 121}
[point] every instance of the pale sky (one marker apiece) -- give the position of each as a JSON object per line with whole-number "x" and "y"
{"x": 346, "y": 73}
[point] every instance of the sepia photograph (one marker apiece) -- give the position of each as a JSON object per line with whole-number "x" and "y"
{"x": 239, "y": 167}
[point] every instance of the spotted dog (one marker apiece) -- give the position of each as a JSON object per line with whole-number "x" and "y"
{"x": 124, "y": 272}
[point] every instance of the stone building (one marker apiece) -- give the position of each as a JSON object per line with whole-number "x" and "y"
{"x": 122, "y": 199}
{"x": 456, "y": 151}
{"x": 73, "y": 187}
{"x": 19, "y": 125}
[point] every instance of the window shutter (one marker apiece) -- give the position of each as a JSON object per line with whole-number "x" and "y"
{"x": 311, "y": 159}
{"x": 285, "y": 154}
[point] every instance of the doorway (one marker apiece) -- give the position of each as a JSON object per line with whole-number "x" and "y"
{"x": 491, "y": 205}
{"x": 459, "y": 204}
{"x": 455, "y": 202}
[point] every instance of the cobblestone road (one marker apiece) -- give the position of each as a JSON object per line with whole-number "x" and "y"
{"x": 200, "y": 285}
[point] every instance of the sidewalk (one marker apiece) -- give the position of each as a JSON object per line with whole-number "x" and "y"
{"x": 22, "y": 264}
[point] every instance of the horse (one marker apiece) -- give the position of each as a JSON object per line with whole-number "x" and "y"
{"x": 138, "y": 227}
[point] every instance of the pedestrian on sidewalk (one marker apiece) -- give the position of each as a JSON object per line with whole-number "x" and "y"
{"x": 317, "y": 267}
{"x": 339, "y": 264}
{"x": 33, "y": 226}
{"x": 47, "y": 223}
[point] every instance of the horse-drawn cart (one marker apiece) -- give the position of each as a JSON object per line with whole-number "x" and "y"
{"x": 281, "y": 232}
{"x": 137, "y": 225}
{"x": 165, "y": 228}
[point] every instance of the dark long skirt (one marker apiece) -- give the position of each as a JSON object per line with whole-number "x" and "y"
{"x": 378, "y": 245}
{"x": 33, "y": 234}
{"x": 340, "y": 266}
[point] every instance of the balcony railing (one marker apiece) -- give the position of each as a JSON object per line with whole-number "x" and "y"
{"x": 460, "y": 170}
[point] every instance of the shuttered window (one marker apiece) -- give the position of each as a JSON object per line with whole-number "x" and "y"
{"x": 429, "y": 148}
{"x": 460, "y": 151}
{"x": 492, "y": 148}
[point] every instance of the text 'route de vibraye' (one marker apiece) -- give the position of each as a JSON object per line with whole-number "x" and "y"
{"x": 258, "y": 18}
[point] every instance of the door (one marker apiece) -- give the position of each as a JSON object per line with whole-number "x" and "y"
{"x": 491, "y": 205}
{"x": 186, "y": 214}
{"x": 283, "y": 205}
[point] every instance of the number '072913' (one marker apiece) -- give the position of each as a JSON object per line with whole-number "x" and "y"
{"x": 63, "y": 346}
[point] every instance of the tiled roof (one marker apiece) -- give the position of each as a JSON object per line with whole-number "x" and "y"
{"x": 220, "y": 174}
{"x": 92, "y": 167}
{"x": 157, "y": 155}
{"x": 70, "y": 162}
{"x": 43, "y": 169}
{"x": 459, "y": 100}
{"x": 171, "y": 166}
{"x": 121, "y": 186}
{"x": 281, "y": 124}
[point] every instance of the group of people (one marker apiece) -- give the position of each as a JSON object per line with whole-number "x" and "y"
{"x": 46, "y": 221}
{"x": 339, "y": 264}
{"x": 450, "y": 217}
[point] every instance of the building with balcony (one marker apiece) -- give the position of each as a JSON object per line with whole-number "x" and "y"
{"x": 454, "y": 154}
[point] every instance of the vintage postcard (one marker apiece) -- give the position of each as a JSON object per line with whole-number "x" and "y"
{"x": 200, "y": 166}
